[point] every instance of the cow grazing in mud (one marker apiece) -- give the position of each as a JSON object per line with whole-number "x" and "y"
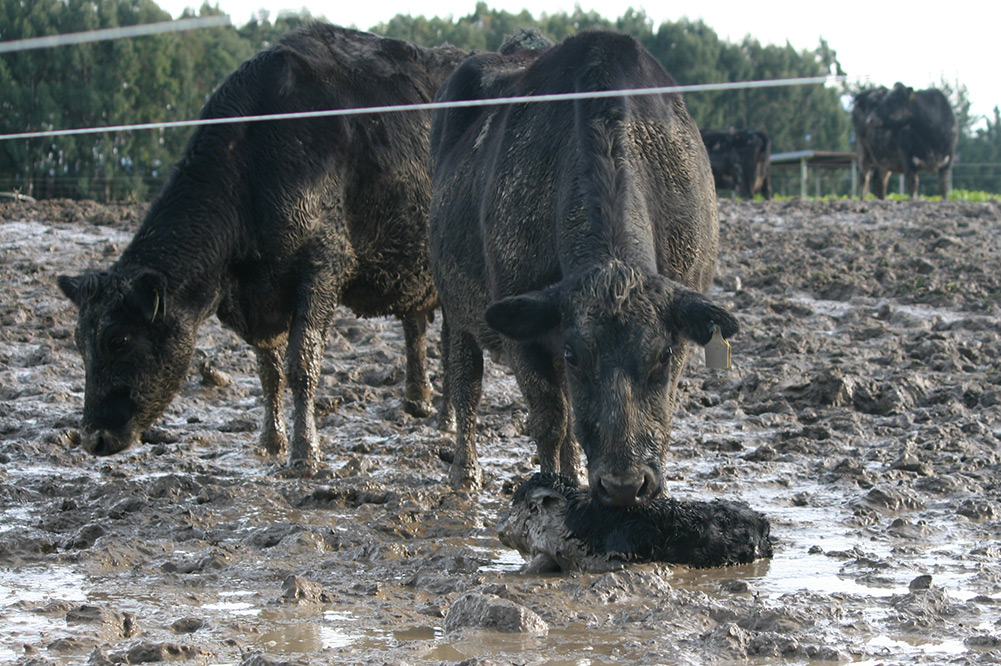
{"x": 905, "y": 131}
{"x": 741, "y": 161}
{"x": 271, "y": 225}
{"x": 575, "y": 238}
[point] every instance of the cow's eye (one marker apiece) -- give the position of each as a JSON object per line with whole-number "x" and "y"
{"x": 570, "y": 357}
{"x": 662, "y": 365}
{"x": 118, "y": 343}
{"x": 665, "y": 355}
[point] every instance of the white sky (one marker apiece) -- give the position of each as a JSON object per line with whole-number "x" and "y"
{"x": 876, "y": 41}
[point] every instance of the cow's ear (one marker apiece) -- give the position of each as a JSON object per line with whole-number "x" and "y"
{"x": 547, "y": 500}
{"x": 696, "y": 317}
{"x": 149, "y": 294}
{"x": 72, "y": 287}
{"x": 80, "y": 288}
{"x": 526, "y": 316}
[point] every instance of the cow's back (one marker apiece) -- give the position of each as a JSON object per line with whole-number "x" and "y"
{"x": 288, "y": 193}
{"x": 358, "y": 179}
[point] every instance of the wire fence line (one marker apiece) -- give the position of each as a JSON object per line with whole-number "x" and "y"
{"x": 431, "y": 106}
{"x": 122, "y": 32}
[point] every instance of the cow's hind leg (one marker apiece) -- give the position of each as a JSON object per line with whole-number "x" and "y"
{"x": 316, "y": 300}
{"x": 303, "y": 359}
{"x": 911, "y": 181}
{"x": 465, "y": 366}
{"x": 446, "y": 412}
{"x": 271, "y": 371}
{"x": 944, "y": 181}
{"x": 863, "y": 186}
{"x": 417, "y": 396}
{"x": 880, "y": 182}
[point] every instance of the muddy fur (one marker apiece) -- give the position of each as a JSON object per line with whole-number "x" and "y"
{"x": 576, "y": 240}
{"x": 270, "y": 226}
{"x": 555, "y": 523}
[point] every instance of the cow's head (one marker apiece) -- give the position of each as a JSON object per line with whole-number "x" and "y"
{"x": 624, "y": 337}
{"x": 135, "y": 353}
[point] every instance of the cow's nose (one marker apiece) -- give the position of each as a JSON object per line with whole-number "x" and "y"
{"x": 627, "y": 490}
{"x": 101, "y": 443}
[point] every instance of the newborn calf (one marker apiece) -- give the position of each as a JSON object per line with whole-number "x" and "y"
{"x": 556, "y": 526}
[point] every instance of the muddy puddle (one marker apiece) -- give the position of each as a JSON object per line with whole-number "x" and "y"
{"x": 862, "y": 416}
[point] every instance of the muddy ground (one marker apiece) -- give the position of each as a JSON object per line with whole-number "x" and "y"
{"x": 862, "y": 415}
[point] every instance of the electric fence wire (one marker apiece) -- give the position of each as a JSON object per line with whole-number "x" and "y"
{"x": 122, "y": 32}
{"x": 431, "y": 106}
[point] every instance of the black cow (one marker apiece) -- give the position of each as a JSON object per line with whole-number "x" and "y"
{"x": 905, "y": 131}
{"x": 269, "y": 226}
{"x": 575, "y": 238}
{"x": 741, "y": 161}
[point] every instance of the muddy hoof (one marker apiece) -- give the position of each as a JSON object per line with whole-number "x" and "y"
{"x": 273, "y": 445}
{"x": 419, "y": 408}
{"x": 465, "y": 479}
{"x": 446, "y": 420}
{"x": 301, "y": 469}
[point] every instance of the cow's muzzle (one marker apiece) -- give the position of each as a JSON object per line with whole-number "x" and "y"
{"x": 103, "y": 442}
{"x": 627, "y": 489}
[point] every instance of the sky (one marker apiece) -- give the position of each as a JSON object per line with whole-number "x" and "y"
{"x": 876, "y": 42}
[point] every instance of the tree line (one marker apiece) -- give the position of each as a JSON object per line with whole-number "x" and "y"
{"x": 169, "y": 77}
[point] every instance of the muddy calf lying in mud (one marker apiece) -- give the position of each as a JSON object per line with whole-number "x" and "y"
{"x": 556, "y": 526}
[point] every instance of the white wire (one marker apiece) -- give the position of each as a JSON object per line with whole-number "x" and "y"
{"x": 122, "y": 32}
{"x": 430, "y": 106}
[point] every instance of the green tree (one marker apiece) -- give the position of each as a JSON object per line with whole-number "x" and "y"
{"x": 123, "y": 81}
{"x": 169, "y": 77}
{"x": 978, "y": 163}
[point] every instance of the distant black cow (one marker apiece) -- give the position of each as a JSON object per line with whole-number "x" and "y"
{"x": 741, "y": 161}
{"x": 574, "y": 238}
{"x": 905, "y": 131}
{"x": 269, "y": 226}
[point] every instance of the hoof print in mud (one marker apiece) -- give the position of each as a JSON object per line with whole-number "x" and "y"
{"x": 556, "y": 526}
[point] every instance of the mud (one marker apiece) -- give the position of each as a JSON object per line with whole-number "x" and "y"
{"x": 862, "y": 416}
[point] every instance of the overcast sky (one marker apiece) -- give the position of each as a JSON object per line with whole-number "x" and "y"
{"x": 879, "y": 42}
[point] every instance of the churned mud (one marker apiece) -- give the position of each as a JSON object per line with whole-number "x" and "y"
{"x": 862, "y": 416}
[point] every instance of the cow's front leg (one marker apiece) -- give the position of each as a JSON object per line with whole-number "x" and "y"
{"x": 549, "y": 409}
{"x": 465, "y": 365}
{"x": 417, "y": 396}
{"x": 570, "y": 463}
{"x": 271, "y": 371}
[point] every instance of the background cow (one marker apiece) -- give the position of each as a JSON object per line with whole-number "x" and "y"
{"x": 574, "y": 238}
{"x": 270, "y": 225}
{"x": 741, "y": 161}
{"x": 905, "y": 131}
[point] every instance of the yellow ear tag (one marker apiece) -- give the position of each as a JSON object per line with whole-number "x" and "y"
{"x": 717, "y": 351}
